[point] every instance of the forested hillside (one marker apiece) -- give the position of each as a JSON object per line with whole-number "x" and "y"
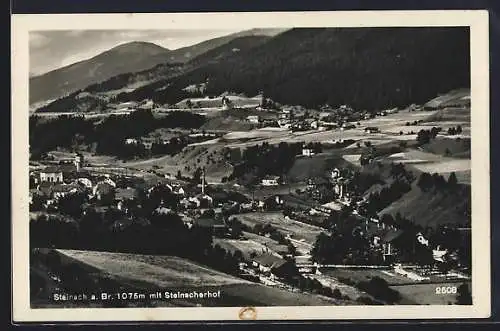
{"x": 366, "y": 68}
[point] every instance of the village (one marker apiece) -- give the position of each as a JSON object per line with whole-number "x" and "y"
{"x": 273, "y": 232}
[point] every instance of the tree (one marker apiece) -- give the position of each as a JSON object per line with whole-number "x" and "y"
{"x": 236, "y": 229}
{"x": 464, "y": 296}
{"x": 447, "y": 152}
{"x": 423, "y": 137}
{"x": 452, "y": 179}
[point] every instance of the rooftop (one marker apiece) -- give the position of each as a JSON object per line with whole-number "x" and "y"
{"x": 269, "y": 260}
{"x": 126, "y": 193}
{"x": 209, "y": 222}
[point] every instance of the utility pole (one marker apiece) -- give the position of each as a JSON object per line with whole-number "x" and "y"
{"x": 203, "y": 180}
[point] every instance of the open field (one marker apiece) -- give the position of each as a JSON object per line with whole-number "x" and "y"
{"x": 433, "y": 163}
{"x": 265, "y": 241}
{"x": 352, "y": 292}
{"x": 297, "y": 230}
{"x": 188, "y": 160}
{"x": 160, "y": 271}
{"x": 247, "y": 247}
{"x": 318, "y": 165}
{"x": 352, "y": 158}
{"x": 359, "y": 275}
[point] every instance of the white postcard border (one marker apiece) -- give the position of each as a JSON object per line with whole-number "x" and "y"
{"x": 477, "y": 20}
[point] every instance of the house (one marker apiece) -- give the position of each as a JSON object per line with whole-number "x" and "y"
{"x": 163, "y": 210}
{"x": 270, "y": 181}
{"x": 62, "y": 190}
{"x": 51, "y": 174}
{"x": 339, "y": 188}
{"x": 176, "y": 189}
{"x": 216, "y": 225}
{"x": 274, "y": 266}
{"x": 130, "y": 141}
{"x": 34, "y": 179}
{"x": 147, "y": 144}
{"x": 372, "y": 129}
{"x": 307, "y": 152}
{"x": 202, "y": 200}
{"x": 274, "y": 202}
{"x": 335, "y": 173}
{"x": 129, "y": 193}
{"x": 312, "y": 123}
{"x": 387, "y": 240}
{"x": 188, "y": 203}
{"x": 85, "y": 182}
{"x": 109, "y": 181}
{"x": 226, "y": 103}
{"x": 253, "y": 119}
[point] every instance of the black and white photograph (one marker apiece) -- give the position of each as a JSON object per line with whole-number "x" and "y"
{"x": 251, "y": 166}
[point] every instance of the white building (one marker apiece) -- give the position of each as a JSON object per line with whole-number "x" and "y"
{"x": 253, "y": 119}
{"x": 270, "y": 181}
{"x": 52, "y": 175}
{"x": 130, "y": 141}
{"x": 176, "y": 189}
{"x": 307, "y": 152}
{"x": 85, "y": 182}
{"x": 335, "y": 173}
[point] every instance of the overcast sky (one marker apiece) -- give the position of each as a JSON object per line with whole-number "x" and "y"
{"x": 54, "y": 49}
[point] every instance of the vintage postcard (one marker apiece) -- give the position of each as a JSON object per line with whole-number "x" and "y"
{"x": 263, "y": 166}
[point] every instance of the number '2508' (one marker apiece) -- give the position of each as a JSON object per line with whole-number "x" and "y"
{"x": 446, "y": 290}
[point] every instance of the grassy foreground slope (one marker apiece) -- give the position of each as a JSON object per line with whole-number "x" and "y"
{"x": 148, "y": 272}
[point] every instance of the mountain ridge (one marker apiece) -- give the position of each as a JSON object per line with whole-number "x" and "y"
{"x": 65, "y": 80}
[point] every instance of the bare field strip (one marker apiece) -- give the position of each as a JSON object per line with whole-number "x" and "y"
{"x": 247, "y": 247}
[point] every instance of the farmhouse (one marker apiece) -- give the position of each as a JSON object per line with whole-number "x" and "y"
{"x": 253, "y": 119}
{"x": 124, "y": 194}
{"x": 312, "y": 123}
{"x": 273, "y": 203}
{"x": 176, "y": 189}
{"x": 52, "y": 175}
{"x": 85, "y": 182}
{"x": 335, "y": 173}
{"x": 372, "y": 129}
{"x": 307, "y": 152}
{"x": 270, "y": 181}
{"x": 130, "y": 141}
{"x": 266, "y": 262}
{"x": 202, "y": 200}
{"x": 272, "y": 265}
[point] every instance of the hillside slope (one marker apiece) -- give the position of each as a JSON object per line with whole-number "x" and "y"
{"x": 129, "y": 57}
{"x": 433, "y": 208}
